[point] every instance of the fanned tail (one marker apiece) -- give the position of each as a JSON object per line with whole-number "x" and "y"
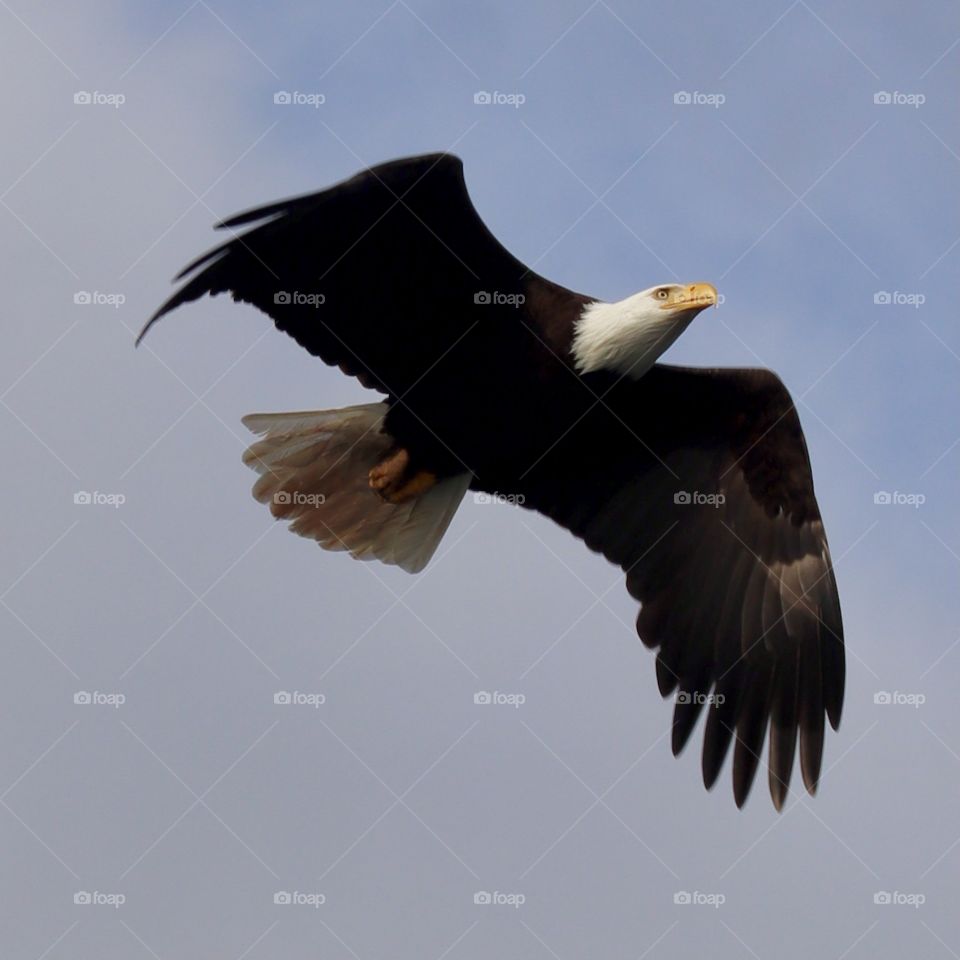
{"x": 314, "y": 467}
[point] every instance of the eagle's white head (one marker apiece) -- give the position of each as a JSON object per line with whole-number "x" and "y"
{"x": 629, "y": 335}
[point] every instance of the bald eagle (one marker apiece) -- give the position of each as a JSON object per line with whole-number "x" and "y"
{"x": 696, "y": 482}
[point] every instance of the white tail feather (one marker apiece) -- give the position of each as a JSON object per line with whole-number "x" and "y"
{"x": 314, "y": 469}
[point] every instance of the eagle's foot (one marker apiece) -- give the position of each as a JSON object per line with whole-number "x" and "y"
{"x": 393, "y": 480}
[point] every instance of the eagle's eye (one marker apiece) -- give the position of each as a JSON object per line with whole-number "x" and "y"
{"x": 662, "y": 294}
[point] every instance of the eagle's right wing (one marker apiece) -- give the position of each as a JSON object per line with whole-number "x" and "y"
{"x": 705, "y": 498}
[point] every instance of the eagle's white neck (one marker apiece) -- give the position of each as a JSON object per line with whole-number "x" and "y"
{"x": 625, "y": 337}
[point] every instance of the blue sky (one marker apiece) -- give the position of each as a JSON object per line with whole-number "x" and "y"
{"x": 784, "y": 182}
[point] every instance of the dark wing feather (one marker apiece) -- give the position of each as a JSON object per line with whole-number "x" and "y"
{"x": 377, "y": 275}
{"x": 739, "y": 597}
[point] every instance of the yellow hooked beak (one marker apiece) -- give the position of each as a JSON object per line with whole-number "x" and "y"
{"x": 695, "y": 296}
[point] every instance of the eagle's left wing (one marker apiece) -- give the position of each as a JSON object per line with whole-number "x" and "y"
{"x": 706, "y": 500}
{"x": 385, "y": 275}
